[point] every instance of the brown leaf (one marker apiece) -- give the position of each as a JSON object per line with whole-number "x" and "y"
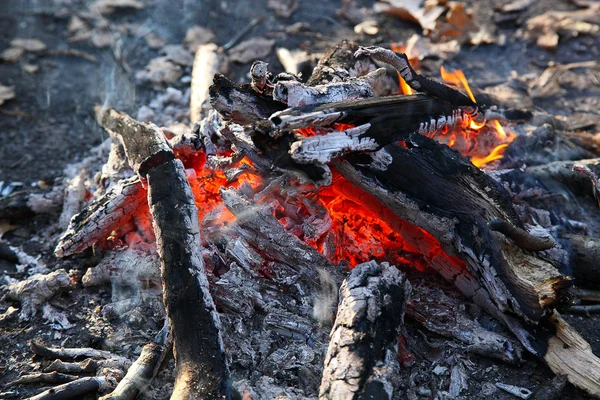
{"x": 412, "y": 10}
{"x": 160, "y": 70}
{"x": 251, "y": 49}
{"x": 197, "y": 36}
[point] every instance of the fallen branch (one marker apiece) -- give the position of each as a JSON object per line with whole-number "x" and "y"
{"x": 143, "y": 370}
{"x": 200, "y": 361}
{"x": 75, "y": 389}
{"x": 360, "y": 361}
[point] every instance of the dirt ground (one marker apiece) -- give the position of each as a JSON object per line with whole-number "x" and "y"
{"x": 50, "y": 124}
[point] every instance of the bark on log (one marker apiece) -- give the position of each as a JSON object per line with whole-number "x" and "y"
{"x": 360, "y": 362}
{"x": 74, "y": 390}
{"x": 202, "y": 371}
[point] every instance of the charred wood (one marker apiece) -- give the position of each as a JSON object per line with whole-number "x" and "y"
{"x": 197, "y": 344}
{"x": 75, "y": 353}
{"x": 360, "y": 361}
{"x": 75, "y": 389}
{"x": 240, "y": 103}
{"x": 43, "y": 377}
{"x": 143, "y": 370}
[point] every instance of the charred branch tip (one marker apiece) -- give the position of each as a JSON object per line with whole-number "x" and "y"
{"x": 521, "y": 237}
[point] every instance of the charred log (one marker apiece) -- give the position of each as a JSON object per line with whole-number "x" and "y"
{"x": 202, "y": 371}
{"x": 360, "y": 361}
{"x": 240, "y": 103}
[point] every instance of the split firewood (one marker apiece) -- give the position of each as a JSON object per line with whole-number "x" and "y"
{"x": 445, "y": 316}
{"x": 361, "y": 361}
{"x": 32, "y": 293}
{"x": 202, "y": 370}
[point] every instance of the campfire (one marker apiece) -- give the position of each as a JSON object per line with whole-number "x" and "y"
{"x": 321, "y": 217}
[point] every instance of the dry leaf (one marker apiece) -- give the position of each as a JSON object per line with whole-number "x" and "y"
{"x": 6, "y": 93}
{"x": 368, "y": 27}
{"x": 518, "y": 5}
{"x": 154, "y": 41}
{"x": 110, "y": 6}
{"x": 197, "y": 36}
{"x": 283, "y": 8}
{"x": 549, "y": 26}
{"x": 178, "y": 54}
{"x": 160, "y": 70}
{"x": 419, "y": 47}
{"x": 5, "y": 227}
{"x": 251, "y": 49}
{"x": 33, "y": 45}
{"x": 12, "y": 54}
{"x": 412, "y": 10}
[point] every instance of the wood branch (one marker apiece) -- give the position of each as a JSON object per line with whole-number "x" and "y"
{"x": 74, "y": 390}
{"x": 585, "y": 259}
{"x": 197, "y": 344}
{"x": 144, "y": 369}
{"x": 75, "y": 353}
{"x": 208, "y": 61}
{"x": 360, "y": 361}
{"x": 240, "y": 103}
{"x": 42, "y": 377}
{"x": 418, "y": 82}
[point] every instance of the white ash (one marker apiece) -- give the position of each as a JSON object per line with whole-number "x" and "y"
{"x": 48, "y": 202}
{"x": 297, "y": 94}
{"x": 323, "y": 148}
{"x": 326, "y": 301}
{"x": 124, "y": 268}
{"x": 33, "y": 265}
{"x": 57, "y": 319}
{"x": 167, "y": 108}
{"x": 32, "y": 293}
{"x": 380, "y": 160}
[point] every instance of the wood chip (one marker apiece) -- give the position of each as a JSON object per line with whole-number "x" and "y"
{"x": 6, "y": 93}
{"x": 251, "y": 49}
{"x": 12, "y": 54}
{"x": 33, "y": 45}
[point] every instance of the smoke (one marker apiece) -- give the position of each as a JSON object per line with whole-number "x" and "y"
{"x": 326, "y": 301}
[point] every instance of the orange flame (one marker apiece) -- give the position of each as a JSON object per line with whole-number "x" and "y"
{"x": 404, "y": 88}
{"x": 458, "y": 79}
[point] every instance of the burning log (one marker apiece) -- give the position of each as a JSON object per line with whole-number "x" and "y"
{"x": 197, "y": 344}
{"x": 360, "y": 361}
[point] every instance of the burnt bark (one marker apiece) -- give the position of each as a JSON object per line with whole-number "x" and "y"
{"x": 360, "y": 361}
{"x": 201, "y": 366}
